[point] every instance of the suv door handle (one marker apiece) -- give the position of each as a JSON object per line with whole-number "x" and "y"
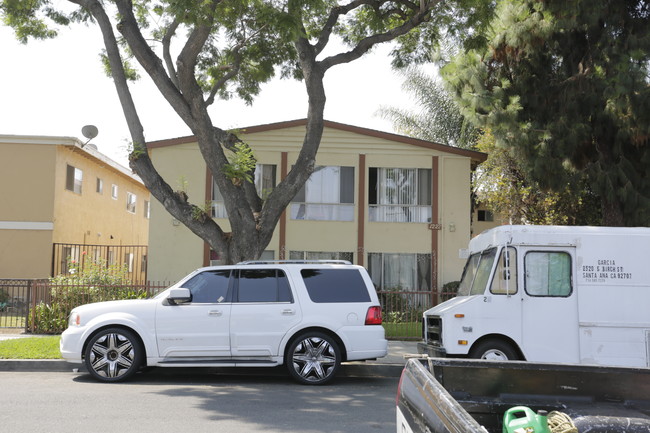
{"x": 215, "y": 313}
{"x": 288, "y": 312}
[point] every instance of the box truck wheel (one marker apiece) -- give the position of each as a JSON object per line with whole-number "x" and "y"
{"x": 496, "y": 350}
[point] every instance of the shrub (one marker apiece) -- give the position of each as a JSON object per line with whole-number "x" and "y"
{"x": 48, "y": 319}
{"x": 449, "y": 290}
{"x": 94, "y": 282}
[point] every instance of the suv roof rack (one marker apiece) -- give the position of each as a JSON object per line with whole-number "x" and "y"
{"x": 299, "y": 262}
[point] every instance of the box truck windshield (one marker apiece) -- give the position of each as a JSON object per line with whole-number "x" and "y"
{"x": 477, "y": 273}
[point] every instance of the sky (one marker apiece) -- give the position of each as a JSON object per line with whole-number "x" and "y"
{"x": 55, "y": 87}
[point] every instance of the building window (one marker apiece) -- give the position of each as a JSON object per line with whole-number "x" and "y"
{"x": 114, "y": 192}
{"x": 70, "y": 259}
{"x": 328, "y": 195}
{"x": 100, "y": 186}
{"x": 400, "y": 272}
{"x": 143, "y": 263}
{"x": 264, "y": 179}
{"x": 399, "y": 195}
{"x": 216, "y": 258}
{"x": 128, "y": 261}
{"x": 74, "y": 179}
{"x": 320, "y": 255}
{"x": 130, "y": 202}
{"x": 264, "y": 184}
{"x": 485, "y": 215}
{"x": 147, "y": 209}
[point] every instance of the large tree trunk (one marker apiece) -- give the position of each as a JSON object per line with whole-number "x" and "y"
{"x": 252, "y": 224}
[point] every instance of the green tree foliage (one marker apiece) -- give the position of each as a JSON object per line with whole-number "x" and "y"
{"x": 564, "y": 88}
{"x": 438, "y": 119}
{"x": 508, "y": 190}
{"x": 197, "y": 51}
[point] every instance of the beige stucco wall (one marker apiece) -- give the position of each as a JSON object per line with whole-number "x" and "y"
{"x": 174, "y": 251}
{"x": 26, "y": 171}
{"x": 94, "y": 218}
{"x": 25, "y": 253}
{"x": 480, "y": 226}
{"x": 36, "y": 210}
{"x": 455, "y": 212}
{"x": 26, "y": 208}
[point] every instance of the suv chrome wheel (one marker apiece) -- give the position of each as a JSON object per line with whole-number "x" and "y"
{"x": 113, "y": 355}
{"x": 313, "y": 359}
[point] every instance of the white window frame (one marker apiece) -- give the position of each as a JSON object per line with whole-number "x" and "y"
{"x": 321, "y": 255}
{"x": 131, "y": 202}
{"x": 114, "y": 191}
{"x": 401, "y": 271}
{"x": 398, "y": 195}
{"x": 73, "y": 179}
{"x": 100, "y": 186}
{"x": 128, "y": 261}
{"x": 328, "y": 195}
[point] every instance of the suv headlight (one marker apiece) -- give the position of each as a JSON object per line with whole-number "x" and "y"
{"x": 75, "y": 319}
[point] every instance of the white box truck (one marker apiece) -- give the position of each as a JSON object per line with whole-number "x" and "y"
{"x": 549, "y": 294}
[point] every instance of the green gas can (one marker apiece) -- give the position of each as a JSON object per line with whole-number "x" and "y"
{"x": 522, "y": 419}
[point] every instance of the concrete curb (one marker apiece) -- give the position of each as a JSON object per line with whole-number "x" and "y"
{"x": 35, "y": 365}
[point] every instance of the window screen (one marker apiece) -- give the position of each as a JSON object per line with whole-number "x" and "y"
{"x": 335, "y": 285}
{"x": 548, "y": 273}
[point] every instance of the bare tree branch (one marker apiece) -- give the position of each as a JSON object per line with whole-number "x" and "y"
{"x": 175, "y": 204}
{"x": 367, "y": 43}
{"x": 129, "y": 28}
{"x": 166, "y": 43}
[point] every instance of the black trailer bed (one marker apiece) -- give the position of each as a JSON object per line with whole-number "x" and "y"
{"x": 598, "y": 399}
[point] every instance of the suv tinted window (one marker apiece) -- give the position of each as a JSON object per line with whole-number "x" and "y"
{"x": 209, "y": 287}
{"x": 263, "y": 285}
{"x": 335, "y": 285}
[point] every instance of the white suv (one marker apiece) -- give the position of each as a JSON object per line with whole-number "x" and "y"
{"x": 310, "y": 316}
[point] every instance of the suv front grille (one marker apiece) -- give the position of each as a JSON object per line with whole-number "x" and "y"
{"x": 433, "y": 330}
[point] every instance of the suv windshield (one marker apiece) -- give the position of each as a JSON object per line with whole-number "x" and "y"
{"x": 477, "y": 273}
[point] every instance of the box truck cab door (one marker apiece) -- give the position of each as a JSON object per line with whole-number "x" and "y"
{"x": 549, "y": 305}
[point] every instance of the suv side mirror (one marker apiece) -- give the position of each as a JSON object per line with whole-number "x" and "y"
{"x": 179, "y": 296}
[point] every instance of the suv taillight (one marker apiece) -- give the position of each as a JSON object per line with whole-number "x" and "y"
{"x": 374, "y": 316}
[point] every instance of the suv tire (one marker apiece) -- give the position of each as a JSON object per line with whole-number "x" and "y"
{"x": 313, "y": 358}
{"x": 113, "y": 355}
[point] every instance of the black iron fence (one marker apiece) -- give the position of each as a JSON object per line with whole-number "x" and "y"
{"x": 15, "y": 299}
{"x": 129, "y": 260}
{"x": 22, "y": 300}
{"x": 402, "y": 311}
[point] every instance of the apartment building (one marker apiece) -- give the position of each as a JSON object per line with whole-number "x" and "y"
{"x": 63, "y": 202}
{"x": 397, "y": 205}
